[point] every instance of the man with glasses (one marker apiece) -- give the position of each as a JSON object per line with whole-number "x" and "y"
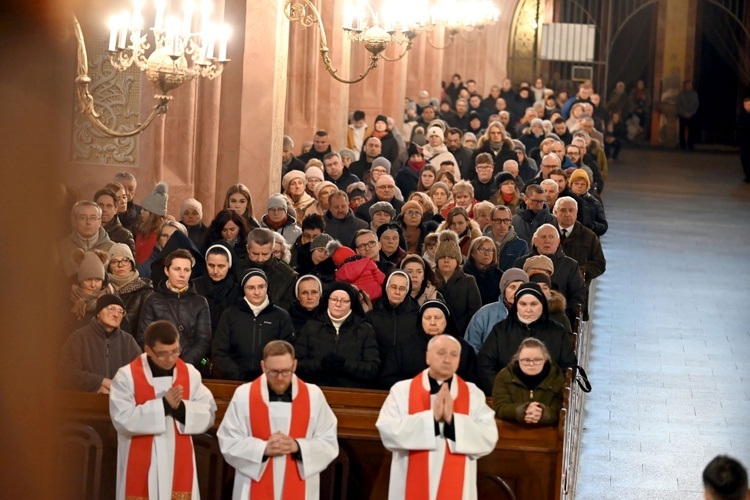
{"x": 92, "y": 355}
{"x": 88, "y": 234}
{"x": 529, "y": 219}
{"x": 278, "y": 432}
{"x": 367, "y": 244}
{"x": 245, "y": 329}
{"x": 156, "y": 403}
{"x": 509, "y": 246}
{"x": 484, "y": 185}
{"x": 385, "y": 190}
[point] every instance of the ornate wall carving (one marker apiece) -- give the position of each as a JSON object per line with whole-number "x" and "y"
{"x": 117, "y": 98}
{"x": 522, "y": 58}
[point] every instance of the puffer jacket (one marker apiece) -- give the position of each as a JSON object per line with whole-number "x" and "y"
{"x": 355, "y": 342}
{"x": 392, "y": 323}
{"x": 363, "y": 273}
{"x": 461, "y": 294}
{"x": 510, "y": 396}
{"x": 237, "y": 348}
{"x": 188, "y": 311}
{"x": 488, "y": 281}
{"x": 290, "y": 230}
{"x": 281, "y": 280}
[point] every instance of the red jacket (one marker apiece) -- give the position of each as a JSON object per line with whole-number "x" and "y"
{"x": 363, "y": 273}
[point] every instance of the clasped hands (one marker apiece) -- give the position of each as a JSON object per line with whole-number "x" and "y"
{"x": 174, "y": 396}
{"x": 533, "y": 413}
{"x": 442, "y": 407}
{"x": 280, "y": 444}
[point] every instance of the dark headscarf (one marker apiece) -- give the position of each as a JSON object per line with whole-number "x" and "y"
{"x": 350, "y": 291}
{"x": 529, "y": 289}
{"x": 450, "y": 327}
{"x": 177, "y": 241}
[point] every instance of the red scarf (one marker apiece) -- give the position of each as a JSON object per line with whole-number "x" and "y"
{"x": 139, "y": 455}
{"x": 507, "y": 198}
{"x": 379, "y": 135}
{"x": 417, "y": 166}
{"x": 454, "y": 466}
{"x": 260, "y": 423}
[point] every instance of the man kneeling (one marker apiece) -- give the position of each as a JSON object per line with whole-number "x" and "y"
{"x": 278, "y": 432}
{"x": 437, "y": 426}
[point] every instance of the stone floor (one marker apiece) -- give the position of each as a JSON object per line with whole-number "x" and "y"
{"x": 670, "y": 345}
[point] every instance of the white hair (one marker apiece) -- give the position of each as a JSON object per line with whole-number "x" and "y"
{"x": 565, "y": 199}
{"x": 436, "y": 338}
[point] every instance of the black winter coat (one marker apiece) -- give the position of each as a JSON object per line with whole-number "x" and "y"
{"x": 355, "y": 342}
{"x": 504, "y": 339}
{"x": 392, "y": 324}
{"x": 189, "y": 312}
{"x": 300, "y": 316}
{"x": 134, "y": 295}
{"x": 241, "y": 336}
{"x": 462, "y": 296}
{"x": 281, "y": 281}
{"x": 505, "y": 153}
{"x": 488, "y": 281}
{"x": 566, "y": 279}
{"x": 408, "y": 358}
{"x": 220, "y": 296}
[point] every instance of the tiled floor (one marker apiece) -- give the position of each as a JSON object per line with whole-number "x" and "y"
{"x": 670, "y": 344}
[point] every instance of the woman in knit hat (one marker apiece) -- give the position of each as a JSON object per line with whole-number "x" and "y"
{"x": 313, "y": 176}
{"x": 407, "y": 358}
{"x": 322, "y": 191}
{"x": 423, "y": 281}
{"x": 459, "y": 289}
{"x": 293, "y": 184}
{"x": 482, "y": 263}
{"x": 392, "y": 243}
{"x": 530, "y": 389}
{"x": 457, "y": 219}
{"x": 90, "y": 284}
{"x": 192, "y": 218}
{"x": 408, "y": 178}
{"x": 219, "y": 285}
{"x": 153, "y": 213}
{"x": 388, "y": 142}
{"x": 414, "y": 226}
{"x": 238, "y": 199}
{"x": 357, "y": 192}
{"x": 338, "y": 347}
{"x": 528, "y": 317}
{"x": 230, "y": 227}
{"x": 320, "y": 265}
{"x": 127, "y": 282}
{"x": 507, "y": 193}
{"x": 469, "y": 140}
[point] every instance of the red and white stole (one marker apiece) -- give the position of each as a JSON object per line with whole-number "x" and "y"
{"x": 260, "y": 423}
{"x": 454, "y": 466}
{"x": 139, "y": 455}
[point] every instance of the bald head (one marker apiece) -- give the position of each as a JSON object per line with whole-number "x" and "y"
{"x": 546, "y": 239}
{"x": 443, "y": 356}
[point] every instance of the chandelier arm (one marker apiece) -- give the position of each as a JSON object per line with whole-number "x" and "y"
{"x": 333, "y": 72}
{"x": 469, "y": 40}
{"x": 86, "y": 100}
{"x": 451, "y": 37}
{"x": 394, "y": 59}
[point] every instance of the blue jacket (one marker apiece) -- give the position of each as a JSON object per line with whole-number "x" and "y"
{"x": 483, "y": 321}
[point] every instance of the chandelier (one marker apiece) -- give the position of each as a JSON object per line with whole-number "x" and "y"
{"x": 179, "y": 54}
{"x": 398, "y": 22}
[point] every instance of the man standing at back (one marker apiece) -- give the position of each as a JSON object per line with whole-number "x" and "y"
{"x": 156, "y": 403}
{"x": 278, "y": 433}
{"x": 437, "y": 426}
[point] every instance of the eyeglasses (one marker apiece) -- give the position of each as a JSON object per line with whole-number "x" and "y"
{"x": 119, "y": 262}
{"x": 167, "y": 354}
{"x": 531, "y": 200}
{"x": 277, "y": 209}
{"x": 336, "y": 300}
{"x": 530, "y": 361}
{"x": 502, "y": 221}
{"x": 116, "y": 310}
{"x": 485, "y": 251}
{"x": 279, "y": 373}
{"x": 484, "y": 167}
{"x": 89, "y": 218}
{"x": 368, "y": 245}
{"x": 413, "y": 213}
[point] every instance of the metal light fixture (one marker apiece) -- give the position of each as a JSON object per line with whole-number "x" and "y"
{"x": 460, "y": 17}
{"x": 180, "y": 54}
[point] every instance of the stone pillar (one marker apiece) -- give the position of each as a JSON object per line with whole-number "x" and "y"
{"x": 426, "y": 65}
{"x": 253, "y": 101}
{"x": 675, "y": 51}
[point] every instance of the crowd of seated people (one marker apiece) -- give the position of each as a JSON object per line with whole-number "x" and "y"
{"x": 479, "y": 218}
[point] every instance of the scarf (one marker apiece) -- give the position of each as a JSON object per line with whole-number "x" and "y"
{"x": 120, "y": 281}
{"x": 509, "y": 236}
{"x": 379, "y": 135}
{"x": 507, "y": 198}
{"x": 220, "y": 291}
{"x": 532, "y": 381}
{"x": 338, "y": 322}
{"x": 257, "y": 309}
{"x": 276, "y": 225}
{"x": 417, "y": 166}
{"x": 495, "y": 146}
{"x": 84, "y": 301}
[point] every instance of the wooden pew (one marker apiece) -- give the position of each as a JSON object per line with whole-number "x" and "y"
{"x": 527, "y": 462}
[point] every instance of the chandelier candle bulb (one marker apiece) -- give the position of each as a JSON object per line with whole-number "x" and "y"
{"x": 206, "y": 9}
{"x": 161, "y": 5}
{"x": 223, "y": 43}
{"x": 112, "y": 34}
{"x": 124, "y": 23}
{"x": 188, "y": 19}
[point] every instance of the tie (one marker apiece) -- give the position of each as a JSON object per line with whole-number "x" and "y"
{"x": 564, "y": 233}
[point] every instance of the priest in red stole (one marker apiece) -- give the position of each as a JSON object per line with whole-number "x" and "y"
{"x": 278, "y": 432}
{"x": 437, "y": 426}
{"x": 156, "y": 403}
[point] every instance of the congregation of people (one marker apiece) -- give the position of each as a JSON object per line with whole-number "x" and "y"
{"x": 444, "y": 260}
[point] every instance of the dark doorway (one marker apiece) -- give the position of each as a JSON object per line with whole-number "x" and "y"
{"x": 631, "y": 58}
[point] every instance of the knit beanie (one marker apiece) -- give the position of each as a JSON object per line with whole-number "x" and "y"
{"x": 579, "y": 175}
{"x": 192, "y": 203}
{"x": 382, "y": 206}
{"x": 349, "y": 153}
{"x": 356, "y": 189}
{"x": 435, "y": 131}
{"x": 120, "y": 251}
{"x": 314, "y": 173}
{"x": 448, "y": 246}
{"x": 108, "y": 299}
{"x": 541, "y": 278}
{"x": 540, "y": 263}
{"x": 504, "y": 177}
{"x": 530, "y": 289}
{"x": 290, "y": 176}
{"x": 390, "y": 226}
{"x": 414, "y": 150}
{"x": 321, "y": 185}
{"x": 305, "y": 278}
{"x": 381, "y": 161}
{"x": 90, "y": 264}
{"x": 276, "y": 201}
{"x": 338, "y": 252}
{"x": 439, "y": 304}
{"x": 382, "y": 118}
{"x": 320, "y": 241}
{"x": 252, "y": 273}
{"x": 511, "y": 275}
{"x": 156, "y": 201}
{"x": 411, "y": 205}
